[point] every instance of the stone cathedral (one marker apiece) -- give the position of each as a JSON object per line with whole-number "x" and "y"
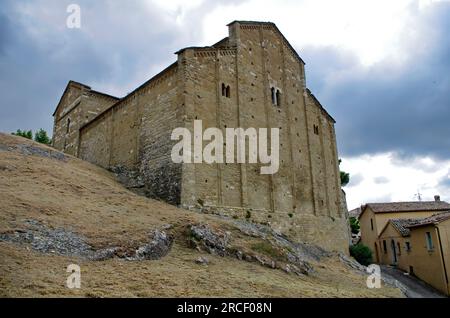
{"x": 252, "y": 78}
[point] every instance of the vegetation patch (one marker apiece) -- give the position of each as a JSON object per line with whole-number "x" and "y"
{"x": 266, "y": 248}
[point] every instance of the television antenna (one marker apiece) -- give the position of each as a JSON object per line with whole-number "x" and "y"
{"x": 418, "y": 195}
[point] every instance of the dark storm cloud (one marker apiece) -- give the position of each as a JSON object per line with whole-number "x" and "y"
{"x": 5, "y": 30}
{"x": 387, "y": 107}
{"x": 119, "y": 46}
{"x": 122, "y": 43}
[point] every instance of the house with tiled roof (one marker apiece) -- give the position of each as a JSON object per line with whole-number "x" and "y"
{"x": 375, "y": 216}
{"x": 419, "y": 246}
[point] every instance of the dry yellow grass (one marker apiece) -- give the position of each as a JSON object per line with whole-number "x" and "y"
{"x": 86, "y": 199}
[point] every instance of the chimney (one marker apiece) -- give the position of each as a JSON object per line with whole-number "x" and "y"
{"x": 437, "y": 198}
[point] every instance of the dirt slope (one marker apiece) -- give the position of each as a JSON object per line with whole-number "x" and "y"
{"x": 57, "y": 210}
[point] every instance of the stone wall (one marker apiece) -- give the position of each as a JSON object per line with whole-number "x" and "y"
{"x": 135, "y": 133}
{"x": 78, "y": 106}
{"x": 161, "y": 111}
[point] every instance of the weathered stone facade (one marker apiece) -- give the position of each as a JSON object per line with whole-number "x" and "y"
{"x": 303, "y": 200}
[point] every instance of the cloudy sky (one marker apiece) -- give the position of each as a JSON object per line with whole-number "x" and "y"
{"x": 381, "y": 68}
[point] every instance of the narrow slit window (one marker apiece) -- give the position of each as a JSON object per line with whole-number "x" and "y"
{"x": 278, "y": 97}
{"x": 274, "y": 100}
{"x": 224, "y": 90}
{"x": 228, "y": 91}
{"x": 316, "y": 129}
{"x": 68, "y": 125}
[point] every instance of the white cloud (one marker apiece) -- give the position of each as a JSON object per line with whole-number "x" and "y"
{"x": 370, "y": 29}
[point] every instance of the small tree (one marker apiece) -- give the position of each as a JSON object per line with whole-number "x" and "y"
{"x": 361, "y": 253}
{"x": 41, "y": 136}
{"x": 354, "y": 224}
{"x": 25, "y": 134}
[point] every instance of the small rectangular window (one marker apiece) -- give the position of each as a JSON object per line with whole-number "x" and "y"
{"x": 430, "y": 246}
{"x": 316, "y": 129}
{"x": 371, "y": 224}
{"x": 384, "y": 247}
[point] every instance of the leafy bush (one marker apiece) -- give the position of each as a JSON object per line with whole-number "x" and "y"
{"x": 361, "y": 253}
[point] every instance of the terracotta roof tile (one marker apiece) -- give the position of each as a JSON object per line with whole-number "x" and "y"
{"x": 409, "y": 206}
{"x": 402, "y": 225}
{"x": 434, "y": 219}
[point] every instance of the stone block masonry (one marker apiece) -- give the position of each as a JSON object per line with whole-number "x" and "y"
{"x": 252, "y": 78}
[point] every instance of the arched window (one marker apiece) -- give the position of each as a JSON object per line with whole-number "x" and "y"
{"x": 278, "y": 98}
{"x": 226, "y": 90}
{"x": 273, "y": 94}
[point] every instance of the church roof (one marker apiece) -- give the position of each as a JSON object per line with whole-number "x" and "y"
{"x": 74, "y": 83}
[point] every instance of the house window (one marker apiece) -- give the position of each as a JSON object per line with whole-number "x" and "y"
{"x": 384, "y": 247}
{"x": 68, "y": 125}
{"x": 399, "y": 249}
{"x": 408, "y": 246}
{"x": 371, "y": 224}
{"x": 429, "y": 241}
{"x": 316, "y": 129}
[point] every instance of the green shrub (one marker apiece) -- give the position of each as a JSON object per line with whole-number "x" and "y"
{"x": 361, "y": 253}
{"x": 354, "y": 224}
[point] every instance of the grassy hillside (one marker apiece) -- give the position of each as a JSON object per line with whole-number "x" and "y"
{"x": 56, "y": 210}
